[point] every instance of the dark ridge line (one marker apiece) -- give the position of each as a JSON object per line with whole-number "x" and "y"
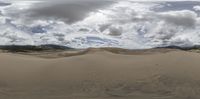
{"x": 195, "y": 47}
{"x": 51, "y": 47}
{"x": 32, "y": 48}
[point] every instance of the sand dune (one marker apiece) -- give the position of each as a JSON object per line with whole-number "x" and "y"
{"x": 100, "y": 74}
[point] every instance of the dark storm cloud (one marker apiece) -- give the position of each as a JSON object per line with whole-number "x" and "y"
{"x": 4, "y": 4}
{"x": 69, "y": 11}
{"x": 179, "y": 5}
{"x": 185, "y": 18}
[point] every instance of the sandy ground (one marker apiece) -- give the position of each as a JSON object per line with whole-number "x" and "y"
{"x": 101, "y": 75}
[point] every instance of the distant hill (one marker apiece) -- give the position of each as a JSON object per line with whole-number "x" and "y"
{"x": 30, "y": 48}
{"x": 195, "y": 47}
{"x": 50, "y": 47}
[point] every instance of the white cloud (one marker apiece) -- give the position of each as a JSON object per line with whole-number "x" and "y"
{"x": 197, "y": 8}
{"x": 120, "y": 24}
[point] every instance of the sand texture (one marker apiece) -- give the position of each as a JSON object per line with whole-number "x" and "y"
{"x": 100, "y": 74}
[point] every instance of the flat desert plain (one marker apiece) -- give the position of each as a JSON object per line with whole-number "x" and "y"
{"x": 100, "y": 74}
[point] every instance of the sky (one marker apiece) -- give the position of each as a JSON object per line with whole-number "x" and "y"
{"x": 100, "y": 23}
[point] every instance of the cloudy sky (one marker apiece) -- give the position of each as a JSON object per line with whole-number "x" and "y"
{"x": 100, "y": 23}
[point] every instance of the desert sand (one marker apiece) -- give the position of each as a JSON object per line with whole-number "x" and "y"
{"x": 100, "y": 74}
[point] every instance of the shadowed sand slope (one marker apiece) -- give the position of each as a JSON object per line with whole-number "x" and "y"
{"x": 101, "y": 75}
